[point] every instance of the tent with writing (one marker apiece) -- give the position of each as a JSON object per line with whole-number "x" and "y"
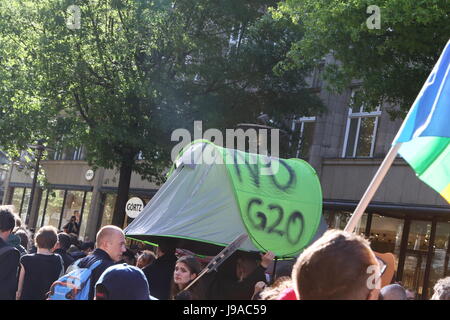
{"x": 215, "y": 194}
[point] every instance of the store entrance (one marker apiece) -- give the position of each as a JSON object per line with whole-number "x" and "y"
{"x": 420, "y": 244}
{"x": 416, "y": 254}
{"x": 421, "y": 249}
{"x": 424, "y": 256}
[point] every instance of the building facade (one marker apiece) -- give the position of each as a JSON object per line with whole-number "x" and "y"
{"x": 405, "y": 217}
{"x": 72, "y": 188}
{"x": 345, "y": 145}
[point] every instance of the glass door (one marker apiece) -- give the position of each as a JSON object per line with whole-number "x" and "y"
{"x": 440, "y": 258}
{"x": 416, "y": 256}
{"x": 386, "y": 235}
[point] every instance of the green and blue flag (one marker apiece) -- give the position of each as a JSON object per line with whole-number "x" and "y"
{"x": 425, "y": 133}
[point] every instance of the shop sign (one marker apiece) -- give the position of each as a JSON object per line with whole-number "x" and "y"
{"x": 134, "y": 207}
{"x": 89, "y": 175}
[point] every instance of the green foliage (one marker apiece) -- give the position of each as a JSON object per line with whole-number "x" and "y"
{"x": 392, "y": 62}
{"x": 136, "y": 70}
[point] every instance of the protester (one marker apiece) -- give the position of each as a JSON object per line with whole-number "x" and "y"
{"x": 159, "y": 274}
{"x": 237, "y": 276}
{"x": 9, "y": 256}
{"x": 39, "y": 270}
{"x": 33, "y": 248}
{"x": 129, "y": 257}
{"x": 15, "y": 241}
{"x": 72, "y": 227}
{"x": 85, "y": 249}
{"x": 24, "y": 238}
{"x": 442, "y": 289}
{"x": 122, "y": 282}
{"x": 110, "y": 243}
{"x": 88, "y": 247}
{"x": 145, "y": 258}
{"x": 61, "y": 248}
{"x": 338, "y": 266}
{"x": 281, "y": 288}
{"x": 187, "y": 268}
{"x": 393, "y": 292}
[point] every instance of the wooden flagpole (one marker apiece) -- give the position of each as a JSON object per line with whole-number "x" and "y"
{"x": 373, "y": 187}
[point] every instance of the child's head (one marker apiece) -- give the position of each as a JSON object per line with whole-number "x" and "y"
{"x": 46, "y": 237}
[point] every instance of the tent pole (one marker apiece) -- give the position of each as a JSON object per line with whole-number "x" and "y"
{"x": 274, "y": 273}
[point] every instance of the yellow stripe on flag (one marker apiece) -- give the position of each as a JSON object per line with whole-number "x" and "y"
{"x": 446, "y": 193}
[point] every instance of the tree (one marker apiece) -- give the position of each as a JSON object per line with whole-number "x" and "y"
{"x": 120, "y": 76}
{"x": 391, "y": 62}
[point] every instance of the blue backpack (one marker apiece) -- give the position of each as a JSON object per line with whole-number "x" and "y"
{"x": 74, "y": 285}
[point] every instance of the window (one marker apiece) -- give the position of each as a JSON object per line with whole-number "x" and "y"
{"x": 68, "y": 153}
{"x": 54, "y": 206}
{"x": 314, "y": 80}
{"x": 85, "y": 215}
{"x": 57, "y": 206}
{"x": 25, "y": 204}
{"x": 386, "y": 235}
{"x": 303, "y": 129}
{"x": 72, "y": 207}
{"x": 21, "y": 200}
{"x": 42, "y": 207}
{"x": 339, "y": 219}
{"x": 109, "y": 201}
{"x": 235, "y": 37}
{"x": 360, "y": 132}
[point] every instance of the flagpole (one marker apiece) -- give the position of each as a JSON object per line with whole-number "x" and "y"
{"x": 373, "y": 187}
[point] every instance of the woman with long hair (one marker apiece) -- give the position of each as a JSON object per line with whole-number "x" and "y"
{"x": 187, "y": 268}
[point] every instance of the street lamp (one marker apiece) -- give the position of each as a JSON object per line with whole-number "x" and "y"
{"x": 40, "y": 149}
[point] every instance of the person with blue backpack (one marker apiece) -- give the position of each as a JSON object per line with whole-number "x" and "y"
{"x": 79, "y": 282}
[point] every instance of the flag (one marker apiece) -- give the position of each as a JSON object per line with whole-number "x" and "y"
{"x": 425, "y": 133}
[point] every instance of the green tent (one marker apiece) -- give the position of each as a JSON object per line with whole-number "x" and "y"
{"x": 214, "y": 194}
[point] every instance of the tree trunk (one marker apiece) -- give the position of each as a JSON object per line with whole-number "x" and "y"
{"x": 122, "y": 193}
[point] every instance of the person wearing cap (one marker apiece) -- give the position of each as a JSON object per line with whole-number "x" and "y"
{"x": 122, "y": 282}
{"x": 110, "y": 242}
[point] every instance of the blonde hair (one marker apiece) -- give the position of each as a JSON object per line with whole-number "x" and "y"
{"x": 274, "y": 291}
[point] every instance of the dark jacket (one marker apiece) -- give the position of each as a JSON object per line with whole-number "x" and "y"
{"x": 86, "y": 262}
{"x": 159, "y": 276}
{"x": 77, "y": 255}
{"x": 223, "y": 285}
{"x": 72, "y": 227}
{"x": 67, "y": 258}
{"x": 9, "y": 265}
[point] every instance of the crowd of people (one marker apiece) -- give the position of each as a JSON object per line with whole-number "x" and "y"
{"x": 338, "y": 266}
